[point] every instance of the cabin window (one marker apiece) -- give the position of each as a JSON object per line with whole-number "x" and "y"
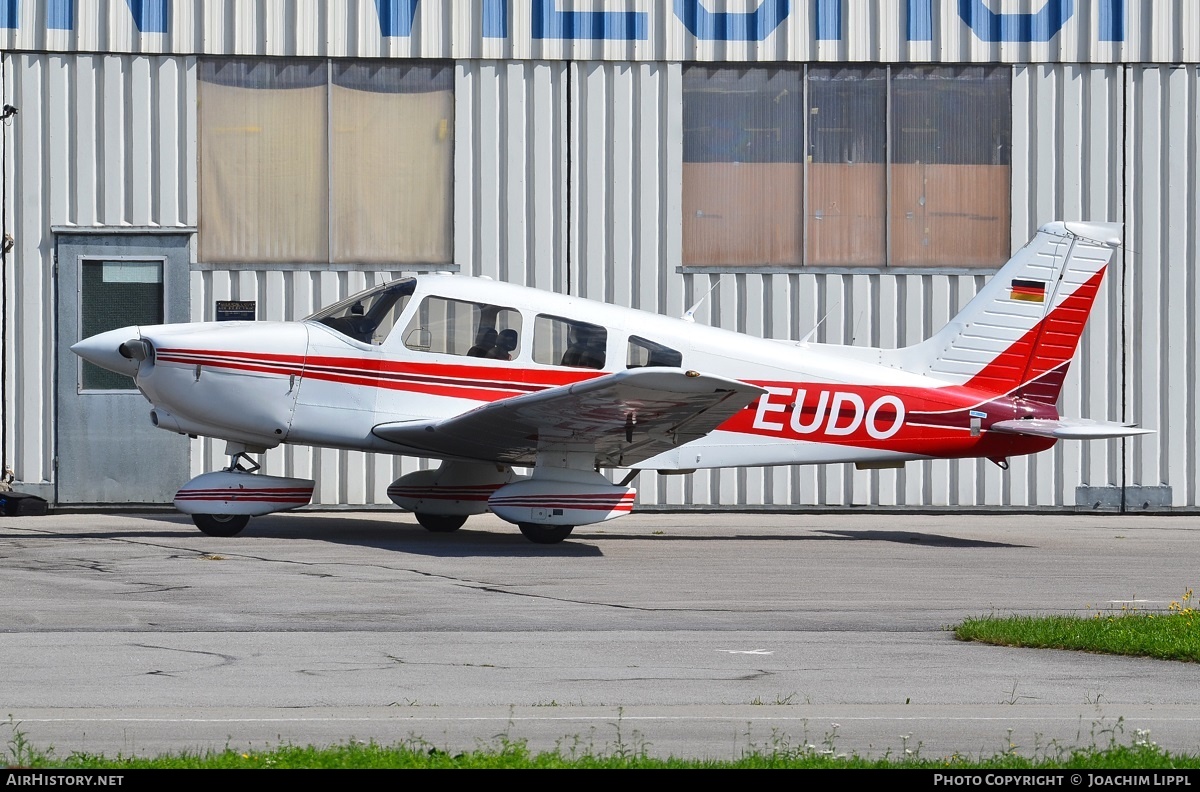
{"x": 369, "y": 316}
{"x": 565, "y": 342}
{"x": 787, "y": 167}
{"x": 325, "y": 162}
{"x": 457, "y": 327}
{"x": 642, "y": 352}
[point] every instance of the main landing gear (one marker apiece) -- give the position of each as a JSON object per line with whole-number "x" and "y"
{"x": 545, "y": 534}
{"x": 221, "y": 524}
{"x": 441, "y": 523}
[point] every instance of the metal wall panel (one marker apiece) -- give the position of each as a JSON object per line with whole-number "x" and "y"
{"x": 895, "y": 31}
{"x": 1163, "y": 156}
{"x": 510, "y": 171}
{"x": 567, "y": 176}
{"x": 99, "y": 140}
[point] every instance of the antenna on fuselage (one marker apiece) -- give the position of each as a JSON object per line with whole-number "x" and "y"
{"x": 809, "y": 336}
{"x": 690, "y": 314}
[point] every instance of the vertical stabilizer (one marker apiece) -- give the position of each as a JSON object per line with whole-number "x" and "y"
{"x": 1019, "y": 333}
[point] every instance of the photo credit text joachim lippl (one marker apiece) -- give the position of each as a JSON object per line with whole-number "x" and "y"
{"x": 1080, "y": 780}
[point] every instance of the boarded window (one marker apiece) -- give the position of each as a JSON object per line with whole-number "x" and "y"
{"x": 743, "y": 148}
{"x": 951, "y": 166}
{"x": 305, "y": 161}
{"x": 846, "y": 166}
{"x": 847, "y": 189}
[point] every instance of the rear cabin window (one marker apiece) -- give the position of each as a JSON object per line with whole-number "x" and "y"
{"x": 457, "y": 327}
{"x": 643, "y": 352}
{"x": 565, "y": 342}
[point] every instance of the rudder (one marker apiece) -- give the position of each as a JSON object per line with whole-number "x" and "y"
{"x": 1019, "y": 333}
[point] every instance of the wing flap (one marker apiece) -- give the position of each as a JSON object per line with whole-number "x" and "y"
{"x": 1069, "y": 428}
{"x": 627, "y": 417}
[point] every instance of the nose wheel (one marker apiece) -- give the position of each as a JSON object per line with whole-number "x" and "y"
{"x": 221, "y": 524}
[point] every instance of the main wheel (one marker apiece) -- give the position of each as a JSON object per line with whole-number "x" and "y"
{"x": 440, "y": 523}
{"x": 545, "y": 534}
{"x": 221, "y": 524}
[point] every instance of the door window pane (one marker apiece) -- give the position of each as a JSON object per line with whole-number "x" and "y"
{"x": 117, "y": 294}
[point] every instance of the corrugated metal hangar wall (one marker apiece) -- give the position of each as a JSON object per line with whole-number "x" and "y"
{"x": 568, "y": 160}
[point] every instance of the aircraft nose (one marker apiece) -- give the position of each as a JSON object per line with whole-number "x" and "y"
{"x": 117, "y": 350}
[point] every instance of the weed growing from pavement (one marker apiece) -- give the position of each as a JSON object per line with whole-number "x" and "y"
{"x": 625, "y": 750}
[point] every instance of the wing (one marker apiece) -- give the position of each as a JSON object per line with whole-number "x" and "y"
{"x": 626, "y": 417}
{"x": 1068, "y": 428}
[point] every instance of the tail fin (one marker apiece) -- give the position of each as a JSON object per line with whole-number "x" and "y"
{"x": 1019, "y": 333}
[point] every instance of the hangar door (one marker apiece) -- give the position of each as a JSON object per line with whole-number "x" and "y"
{"x": 107, "y": 450}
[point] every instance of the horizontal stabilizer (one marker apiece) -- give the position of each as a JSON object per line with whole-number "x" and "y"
{"x": 1069, "y": 428}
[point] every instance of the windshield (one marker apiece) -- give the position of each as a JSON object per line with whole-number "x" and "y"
{"x": 369, "y": 315}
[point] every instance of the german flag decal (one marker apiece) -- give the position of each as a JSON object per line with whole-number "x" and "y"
{"x": 1029, "y": 290}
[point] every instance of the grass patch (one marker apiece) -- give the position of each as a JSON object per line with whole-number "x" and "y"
{"x": 778, "y": 752}
{"x": 515, "y": 755}
{"x": 1173, "y": 634}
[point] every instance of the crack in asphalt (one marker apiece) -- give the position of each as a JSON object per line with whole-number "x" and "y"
{"x": 224, "y": 658}
{"x": 157, "y": 589}
{"x": 477, "y": 585}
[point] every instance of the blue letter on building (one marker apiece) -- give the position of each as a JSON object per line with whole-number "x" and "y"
{"x": 550, "y": 23}
{"x": 1112, "y": 20}
{"x": 753, "y": 26}
{"x": 992, "y": 26}
{"x": 495, "y": 18}
{"x": 920, "y": 20}
{"x": 396, "y": 16}
{"x": 9, "y": 13}
{"x": 150, "y": 16}
{"x": 60, "y": 14}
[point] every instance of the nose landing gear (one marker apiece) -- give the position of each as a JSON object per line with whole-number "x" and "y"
{"x": 221, "y": 503}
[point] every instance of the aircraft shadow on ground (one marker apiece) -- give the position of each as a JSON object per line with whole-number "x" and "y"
{"x": 396, "y": 532}
{"x": 399, "y": 533}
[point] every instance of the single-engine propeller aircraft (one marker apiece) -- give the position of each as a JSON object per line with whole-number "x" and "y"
{"x": 485, "y": 376}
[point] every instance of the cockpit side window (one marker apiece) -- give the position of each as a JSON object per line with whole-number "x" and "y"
{"x": 368, "y": 316}
{"x": 565, "y": 342}
{"x": 643, "y": 352}
{"x": 457, "y": 327}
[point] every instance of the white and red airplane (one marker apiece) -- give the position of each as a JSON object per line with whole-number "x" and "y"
{"x": 485, "y": 376}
